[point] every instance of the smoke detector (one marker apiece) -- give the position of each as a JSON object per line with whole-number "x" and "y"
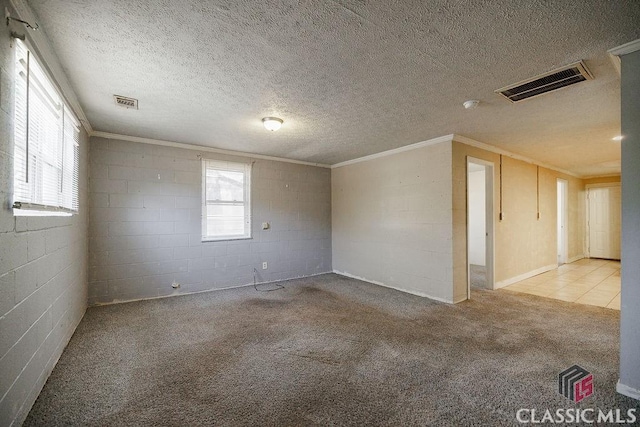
{"x": 123, "y": 101}
{"x": 471, "y": 104}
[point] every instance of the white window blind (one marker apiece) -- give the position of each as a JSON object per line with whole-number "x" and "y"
{"x": 46, "y": 138}
{"x": 226, "y": 207}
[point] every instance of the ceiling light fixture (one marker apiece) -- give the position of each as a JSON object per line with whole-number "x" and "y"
{"x": 471, "y": 104}
{"x": 617, "y": 138}
{"x": 272, "y": 123}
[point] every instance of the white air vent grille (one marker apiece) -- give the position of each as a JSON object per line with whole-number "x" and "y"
{"x": 123, "y": 101}
{"x": 553, "y": 80}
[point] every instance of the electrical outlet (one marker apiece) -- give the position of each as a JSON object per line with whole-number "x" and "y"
{"x": 264, "y": 265}
{"x": 175, "y": 285}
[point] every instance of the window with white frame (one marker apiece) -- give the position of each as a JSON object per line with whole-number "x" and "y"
{"x": 226, "y": 204}
{"x": 46, "y": 136}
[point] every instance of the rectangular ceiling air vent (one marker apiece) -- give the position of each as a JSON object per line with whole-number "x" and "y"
{"x": 553, "y": 80}
{"x": 123, "y": 101}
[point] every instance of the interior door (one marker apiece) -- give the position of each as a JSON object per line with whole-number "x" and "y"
{"x": 604, "y": 222}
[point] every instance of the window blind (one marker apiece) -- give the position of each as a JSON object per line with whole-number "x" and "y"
{"x": 46, "y": 139}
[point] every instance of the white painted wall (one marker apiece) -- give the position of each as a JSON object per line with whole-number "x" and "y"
{"x": 477, "y": 217}
{"x": 43, "y": 273}
{"x": 392, "y": 221}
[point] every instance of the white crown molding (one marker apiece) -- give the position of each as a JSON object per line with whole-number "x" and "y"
{"x": 38, "y": 41}
{"x": 491, "y": 148}
{"x": 194, "y": 147}
{"x": 415, "y": 146}
{"x": 625, "y": 48}
{"x": 608, "y": 175}
{"x": 616, "y": 52}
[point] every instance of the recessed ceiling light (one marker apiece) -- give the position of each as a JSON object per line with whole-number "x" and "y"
{"x": 272, "y": 123}
{"x": 617, "y": 138}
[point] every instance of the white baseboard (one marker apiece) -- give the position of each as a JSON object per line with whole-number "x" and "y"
{"x": 375, "y": 282}
{"x": 179, "y": 294}
{"x": 576, "y": 258}
{"x": 631, "y": 392}
{"x": 524, "y": 276}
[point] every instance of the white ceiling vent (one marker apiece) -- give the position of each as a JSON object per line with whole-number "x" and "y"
{"x": 553, "y": 80}
{"x": 123, "y": 101}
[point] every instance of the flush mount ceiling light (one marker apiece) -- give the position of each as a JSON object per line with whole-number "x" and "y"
{"x": 617, "y": 138}
{"x": 471, "y": 104}
{"x": 272, "y": 123}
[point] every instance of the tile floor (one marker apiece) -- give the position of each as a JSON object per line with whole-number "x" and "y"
{"x": 587, "y": 281}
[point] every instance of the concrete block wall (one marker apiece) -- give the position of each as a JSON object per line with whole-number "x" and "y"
{"x": 43, "y": 274}
{"x": 392, "y": 221}
{"x": 145, "y": 223}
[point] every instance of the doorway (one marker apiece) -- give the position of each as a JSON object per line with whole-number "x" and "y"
{"x": 603, "y": 221}
{"x": 480, "y": 252}
{"x": 563, "y": 235}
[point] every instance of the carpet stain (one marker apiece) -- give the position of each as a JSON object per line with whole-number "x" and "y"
{"x": 327, "y": 350}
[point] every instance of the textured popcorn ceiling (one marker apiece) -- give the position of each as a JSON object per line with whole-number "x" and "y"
{"x": 349, "y": 78}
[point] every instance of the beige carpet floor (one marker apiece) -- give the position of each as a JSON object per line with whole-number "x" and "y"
{"x": 328, "y": 350}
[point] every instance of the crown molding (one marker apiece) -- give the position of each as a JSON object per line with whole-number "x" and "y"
{"x": 491, "y": 148}
{"x": 438, "y": 140}
{"x": 39, "y": 42}
{"x": 606, "y": 175}
{"x": 458, "y": 138}
{"x": 194, "y": 147}
{"x": 626, "y": 48}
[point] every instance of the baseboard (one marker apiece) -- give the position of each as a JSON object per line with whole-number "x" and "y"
{"x": 375, "y": 282}
{"x": 576, "y": 258}
{"x": 524, "y": 276}
{"x": 124, "y": 301}
{"x": 465, "y": 298}
{"x": 631, "y": 392}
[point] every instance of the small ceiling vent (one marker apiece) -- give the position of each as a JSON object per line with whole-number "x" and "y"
{"x": 123, "y": 101}
{"x": 553, "y": 80}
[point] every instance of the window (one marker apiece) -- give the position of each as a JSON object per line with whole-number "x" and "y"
{"x": 226, "y": 208}
{"x": 46, "y": 134}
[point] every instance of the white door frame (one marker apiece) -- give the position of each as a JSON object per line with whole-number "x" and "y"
{"x": 587, "y": 209}
{"x": 563, "y": 256}
{"x": 490, "y": 222}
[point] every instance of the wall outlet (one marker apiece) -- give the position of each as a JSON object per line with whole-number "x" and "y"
{"x": 264, "y": 265}
{"x": 175, "y": 285}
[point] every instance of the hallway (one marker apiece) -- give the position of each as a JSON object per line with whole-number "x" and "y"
{"x": 587, "y": 281}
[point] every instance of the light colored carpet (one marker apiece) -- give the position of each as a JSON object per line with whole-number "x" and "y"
{"x": 327, "y": 350}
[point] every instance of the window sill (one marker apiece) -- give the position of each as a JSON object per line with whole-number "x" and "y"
{"x": 21, "y": 212}
{"x": 224, "y": 239}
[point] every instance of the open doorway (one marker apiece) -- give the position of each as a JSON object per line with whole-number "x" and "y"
{"x": 563, "y": 244}
{"x": 480, "y": 265}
